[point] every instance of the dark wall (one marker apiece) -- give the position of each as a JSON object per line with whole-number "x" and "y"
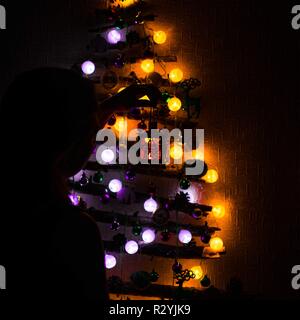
{"x": 247, "y": 56}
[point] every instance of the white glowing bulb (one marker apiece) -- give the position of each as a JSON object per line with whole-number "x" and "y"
{"x": 131, "y": 247}
{"x": 185, "y": 236}
{"x": 148, "y": 236}
{"x": 114, "y": 36}
{"x": 150, "y": 205}
{"x": 107, "y": 155}
{"x": 115, "y": 185}
{"x": 88, "y": 67}
{"x": 110, "y": 261}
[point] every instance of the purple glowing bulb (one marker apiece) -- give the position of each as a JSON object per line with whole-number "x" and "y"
{"x": 88, "y": 67}
{"x": 185, "y": 236}
{"x": 131, "y": 247}
{"x": 148, "y": 236}
{"x": 110, "y": 261}
{"x": 114, "y": 36}
{"x": 115, "y": 185}
{"x": 150, "y": 205}
{"x": 75, "y": 199}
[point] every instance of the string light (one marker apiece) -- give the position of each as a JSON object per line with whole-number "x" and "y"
{"x": 110, "y": 261}
{"x": 147, "y": 65}
{"x": 176, "y": 75}
{"x": 216, "y": 244}
{"x": 120, "y": 124}
{"x": 198, "y": 272}
{"x": 211, "y": 176}
{"x": 174, "y": 104}
{"x": 150, "y": 205}
{"x": 176, "y": 152}
{"x": 148, "y": 236}
{"x": 160, "y": 37}
{"x": 218, "y": 212}
{"x": 114, "y": 36}
{"x": 88, "y": 67}
{"x": 107, "y": 156}
{"x": 185, "y": 236}
{"x": 115, "y": 185}
{"x": 131, "y": 247}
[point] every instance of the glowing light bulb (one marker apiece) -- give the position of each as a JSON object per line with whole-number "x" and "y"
{"x": 147, "y": 65}
{"x": 150, "y": 205}
{"x": 88, "y": 67}
{"x": 110, "y": 261}
{"x": 124, "y": 3}
{"x": 131, "y": 247}
{"x": 211, "y": 176}
{"x": 120, "y": 124}
{"x": 174, "y": 104}
{"x": 115, "y": 185}
{"x": 148, "y": 236}
{"x": 176, "y": 75}
{"x": 114, "y": 36}
{"x": 184, "y": 236}
{"x": 216, "y": 244}
{"x": 160, "y": 37}
{"x": 176, "y": 151}
{"x": 75, "y": 199}
{"x": 121, "y": 89}
{"x": 198, "y": 272}
{"x": 107, "y": 155}
{"x": 218, "y": 212}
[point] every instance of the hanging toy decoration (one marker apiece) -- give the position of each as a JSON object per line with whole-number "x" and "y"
{"x": 205, "y": 282}
{"x": 184, "y": 183}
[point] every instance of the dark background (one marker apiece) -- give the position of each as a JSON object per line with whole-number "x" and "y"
{"x": 247, "y": 55}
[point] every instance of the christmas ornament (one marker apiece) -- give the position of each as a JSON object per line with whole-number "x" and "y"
{"x": 177, "y": 267}
{"x": 184, "y": 183}
{"x": 142, "y": 125}
{"x": 112, "y": 120}
{"x": 119, "y": 62}
{"x": 115, "y": 226}
{"x": 205, "y": 237}
{"x": 84, "y": 180}
{"x": 136, "y": 230}
{"x": 130, "y": 175}
{"x": 205, "y": 282}
{"x": 154, "y": 276}
{"x": 98, "y": 177}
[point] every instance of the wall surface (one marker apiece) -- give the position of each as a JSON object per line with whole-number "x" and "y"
{"x": 247, "y": 56}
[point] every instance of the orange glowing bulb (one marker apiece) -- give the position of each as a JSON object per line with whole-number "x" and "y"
{"x": 121, "y": 89}
{"x": 120, "y": 124}
{"x": 176, "y": 152}
{"x": 176, "y": 75}
{"x": 198, "y": 272}
{"x": 160, "y": 37}
{"x": 174, "y": 104}
{"x": 147, "y": 65}
{"x": 218, "y": 212}
{"x": 211, "y": 176}
{"x": 216, "y": 244}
